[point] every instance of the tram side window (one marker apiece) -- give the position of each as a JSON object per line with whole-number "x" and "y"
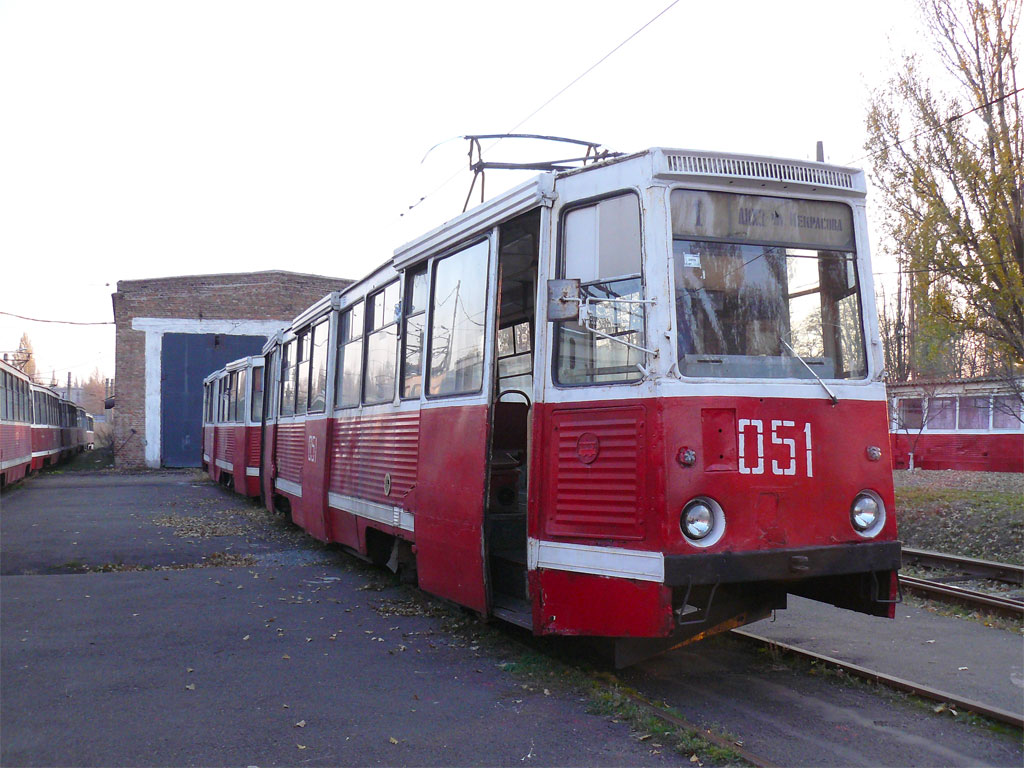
{"x": 3, "y": 394}
{"x": 239, "y": 414}
{"x": 910, "y": 413}
{"x": 232, "y": 396}
{"x": 941, "y": 413}
{"x": 302, "y": 373}
{"x": 412, "y": 333}
{"x": 602, "y": 248}
{"x": 288, "y": 367}
{"x": 383, "y": 311}
{"x": 318, "y": 368}
{"x": 973, "y": 413}
{"x": 457, "y": 321}
{"x": 1006, "y": 412}
{"x": 256, "y": 411}
{"x": 273, "y": 383}
{"x": 350, "y": 356}
{"x": 223, "y": 400}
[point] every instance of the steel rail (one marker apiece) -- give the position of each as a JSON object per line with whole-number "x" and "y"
{"x": 704, "y": 733}
{"x": 924, "y": 691}
{"x": 986, "y": 569}
{"x": 1005, "y": 606}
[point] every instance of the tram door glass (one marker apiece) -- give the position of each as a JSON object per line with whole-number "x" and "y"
{"x": 318, "y": 368}
{"x": 457, "y": 321}
{"x": 762, "y": 280}
{"x": 256, "y": 412}
{"x": 602, "y": 249}
{"x": 288, "y": 366}
{"x": 413, "y": 333}
{"x": 350, "y": 356}
{"x": 383, "y": 310}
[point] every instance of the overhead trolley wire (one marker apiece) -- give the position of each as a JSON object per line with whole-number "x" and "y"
{"x": 945, "y": 122}
{"x": 61, "y": 322}
{"x": 565, "y": 88}
{"x": 594, "y": 66}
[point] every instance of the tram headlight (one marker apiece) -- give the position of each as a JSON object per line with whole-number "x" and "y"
{"x": 702, "y": 521}
{"x": 867, "y": 513}
{"x": 697, "y": 520}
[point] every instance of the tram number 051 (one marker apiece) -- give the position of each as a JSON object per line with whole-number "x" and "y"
{"x": 783, "y": 432}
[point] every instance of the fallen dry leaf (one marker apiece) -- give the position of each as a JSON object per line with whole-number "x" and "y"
{"x": 300, "y": 724}
{"x": 191, "y": 686}
{"x": 393, "y": 740}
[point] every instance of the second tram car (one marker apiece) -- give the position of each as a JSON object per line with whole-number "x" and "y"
{"x": 636, "y": 400}
{"x": 15, "y": 424}
{"x": 38, "y": 428}
{"x": 232, "y": 412}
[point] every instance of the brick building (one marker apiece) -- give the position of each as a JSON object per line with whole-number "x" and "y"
{"x": 172, "y": 332}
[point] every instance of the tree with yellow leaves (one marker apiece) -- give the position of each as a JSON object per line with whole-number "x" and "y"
{"x": 948, "y": 164}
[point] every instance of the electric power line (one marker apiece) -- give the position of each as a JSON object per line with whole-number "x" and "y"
{"x": 935, "y": 130}
{"x": 61, "y": 322}
{"x": 579, "y": 77}
{"x": 595, "y": 65}
{"x": 933, "y": 269}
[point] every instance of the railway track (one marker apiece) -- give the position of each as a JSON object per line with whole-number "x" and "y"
{"x": 970, "y": 567}
{"x": 983, "y": 569}
{"x": 1004, "y": 606}
{"x": 890, "y": 681}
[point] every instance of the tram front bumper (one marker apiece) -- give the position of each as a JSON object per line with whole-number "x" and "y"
{"x": 782, "y": 564}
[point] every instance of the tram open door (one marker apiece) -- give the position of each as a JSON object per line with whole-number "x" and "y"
{"x": 505, "y": 512}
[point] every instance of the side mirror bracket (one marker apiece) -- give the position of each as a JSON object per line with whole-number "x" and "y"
{"x": 564, "y": 299}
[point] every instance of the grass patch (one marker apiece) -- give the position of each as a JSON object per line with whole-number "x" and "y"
{"x": 971, "y": 518}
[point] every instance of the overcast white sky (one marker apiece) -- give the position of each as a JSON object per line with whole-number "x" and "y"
{"x": 145, "y": 139}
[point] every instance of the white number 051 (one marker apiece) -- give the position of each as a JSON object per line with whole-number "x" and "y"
{"x": 751, "y": 434}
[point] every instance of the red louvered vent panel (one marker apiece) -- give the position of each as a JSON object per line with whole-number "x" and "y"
{"x": 252, "y": 450}
{"x": 596, "y": 466}
{"x": 225, "y": 443}
{"x": 291, "y": 451}
{"x": 364, "y": 450}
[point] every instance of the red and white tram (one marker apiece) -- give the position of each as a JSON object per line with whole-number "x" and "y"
{"x": 15, "y": 424}
{"x": 38, "y": 428}
{"x": 641, "y": 399}
{"x": 49, "y": 440}
{"x": 967, "y": 424}
{"x": 232, "y": 412}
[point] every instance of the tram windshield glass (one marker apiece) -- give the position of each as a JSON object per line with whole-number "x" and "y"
{"x": 765, "y": 287}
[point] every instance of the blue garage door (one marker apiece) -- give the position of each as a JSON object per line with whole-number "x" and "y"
{"x": 185, "y": 360}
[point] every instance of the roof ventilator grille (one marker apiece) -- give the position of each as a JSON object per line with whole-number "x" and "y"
{"x": 758, "y": 169}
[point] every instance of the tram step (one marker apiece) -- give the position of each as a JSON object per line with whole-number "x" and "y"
{"x": 513, "y": 610}
{"x": 508, "y": 577}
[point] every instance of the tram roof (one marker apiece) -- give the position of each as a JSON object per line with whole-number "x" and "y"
{"x": 657, "y": 163}
{"x": 651, "y": 165}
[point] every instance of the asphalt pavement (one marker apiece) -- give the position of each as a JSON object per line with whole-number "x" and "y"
{"x": 123, "y": 642}
{"x": 157, "y": 619}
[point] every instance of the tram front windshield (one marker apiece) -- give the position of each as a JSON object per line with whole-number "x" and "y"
{"x": 765, "y": 287}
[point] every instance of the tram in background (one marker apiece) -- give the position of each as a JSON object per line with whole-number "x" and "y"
{"x": 969, "y": 424}
{"x": 638, "y": 400}
{"x": 38, "y": 427}
{"x": 15, "y": 424}
{"x": 232, "y": 412}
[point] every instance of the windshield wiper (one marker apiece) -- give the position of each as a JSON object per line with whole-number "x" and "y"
{"x": 831, "y": 394}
